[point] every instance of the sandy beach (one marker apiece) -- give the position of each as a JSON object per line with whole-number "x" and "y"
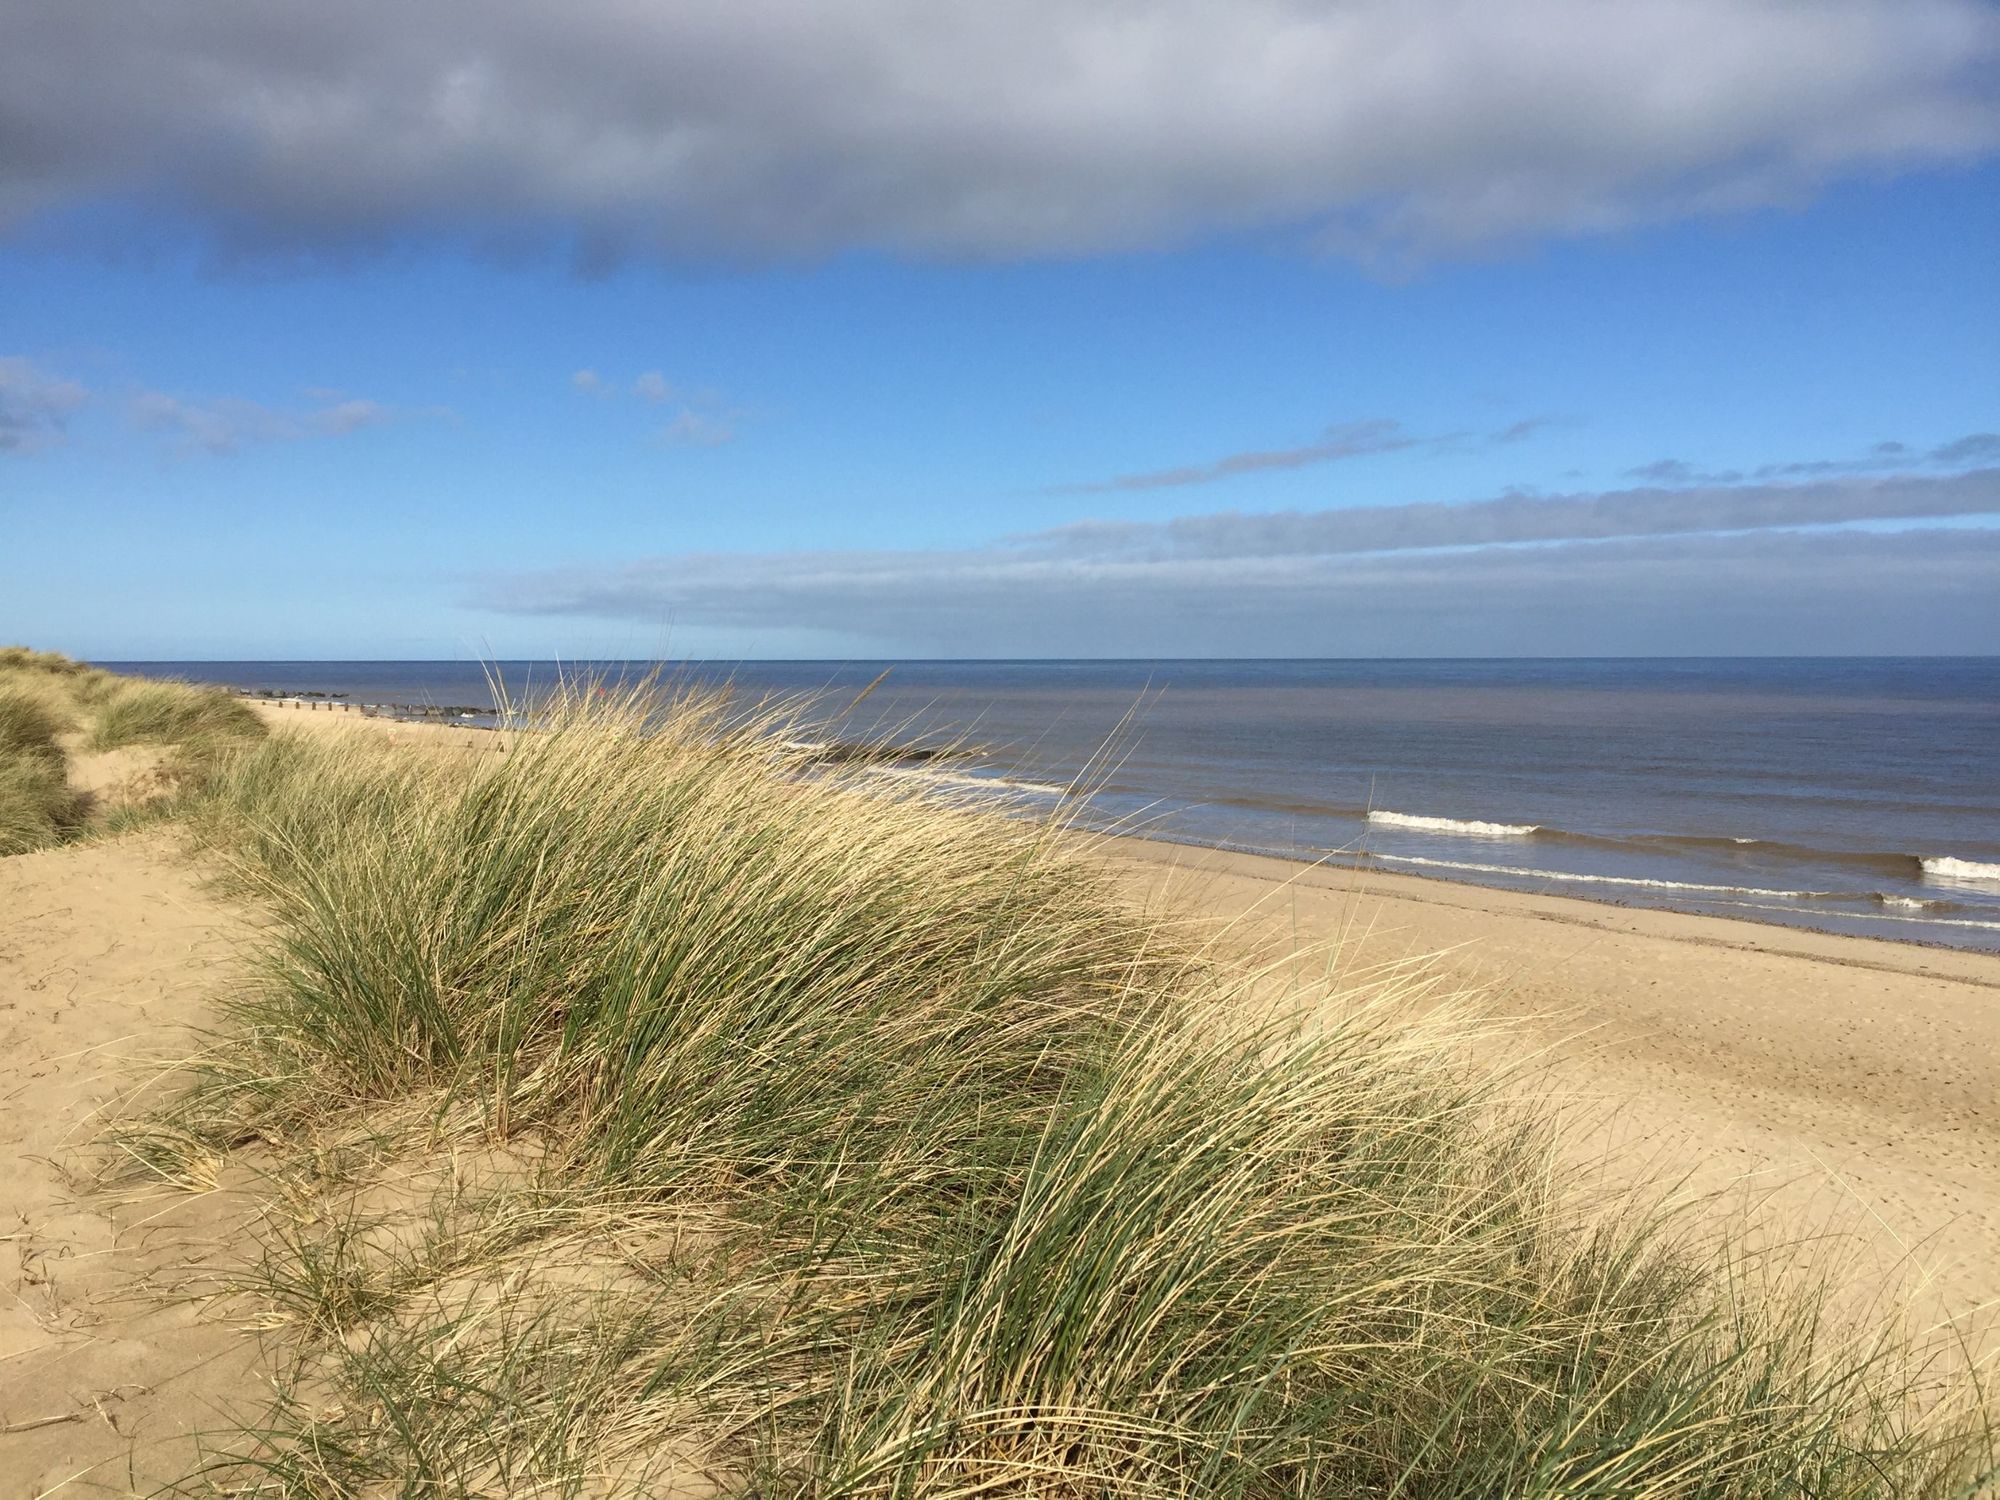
{"x": 1821, "y": 1079}
{"x": 1828, "y": 1079}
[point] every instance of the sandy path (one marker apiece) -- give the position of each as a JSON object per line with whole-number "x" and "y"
{"x": 1835, "y": 1079}
{"x": 109, "y": 954}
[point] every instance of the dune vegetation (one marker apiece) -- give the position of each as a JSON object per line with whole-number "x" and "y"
{"x": 170, "y": 713}
{"x": 53, "y": 708}
{"x": 642, "y": 1108}
{"x": 37, "y": 807}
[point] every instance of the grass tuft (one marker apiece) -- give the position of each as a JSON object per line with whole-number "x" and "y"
{"x": 170, "y": 713}
{"x": 37, "y": 807}
{"x": 29, "y": 725}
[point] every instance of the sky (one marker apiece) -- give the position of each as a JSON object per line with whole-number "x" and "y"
{"x": 912, "y": 328}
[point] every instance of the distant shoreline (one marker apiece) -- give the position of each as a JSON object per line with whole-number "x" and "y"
{"x": 1354, "y": 866}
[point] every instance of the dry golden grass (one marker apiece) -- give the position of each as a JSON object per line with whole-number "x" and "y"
{"x": 50, "y": 705}
{"x": 37, "y": 807}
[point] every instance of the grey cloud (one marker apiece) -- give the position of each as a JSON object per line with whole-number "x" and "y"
{"x": 1885, "y": 457}
{"x": 1527, "y": 427}
{"x": 1678, "y": 471}
{"x": 223, "y": 424}
{"x": 698, "y": 429}
{"x": 765, "y": 128}
{"x": 1613, "y": 573}
{"x": 1343, "y": 440}
{"x": 1349, "y": 440}
{"x": 1517, "y": 519}
{"x": 1975, "y": 448}
{"x": 35, "y": 406}
{"x": 701, "y": 418}
{"x": 1911, "y": 592}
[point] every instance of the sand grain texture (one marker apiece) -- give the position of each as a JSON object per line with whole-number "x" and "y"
{"x": 110, "y": 956}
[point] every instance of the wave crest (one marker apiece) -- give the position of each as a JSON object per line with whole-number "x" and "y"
{"x": 998, "y": 785}
{"x": 1462, "y": 827}
{"x": 1944, "y": 867}
{"x": 1630, "y": 880}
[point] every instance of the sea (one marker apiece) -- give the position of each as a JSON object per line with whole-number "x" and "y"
{"x": 1851, "y": 795}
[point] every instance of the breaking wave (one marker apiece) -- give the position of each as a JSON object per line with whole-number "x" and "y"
{"x": 995, "y": 784}
{"x": 1470, "y": 828}
{"x": 1943, "y": 867}
{"x": 1758, "y": 897}
{"x": 1527, "y": 873}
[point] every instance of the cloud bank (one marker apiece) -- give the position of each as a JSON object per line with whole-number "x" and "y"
{"x": 1647, "y": 571}
{"x": 767, "y": 128}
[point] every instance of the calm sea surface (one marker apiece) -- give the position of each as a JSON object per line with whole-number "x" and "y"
{"x": 1858, "y": 796}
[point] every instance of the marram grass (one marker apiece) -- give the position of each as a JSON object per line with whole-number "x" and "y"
{"x": 37, "y": 807}
{"x": 165, "y": 712}
{"x": 51, "y": 706}
{"x": 875, "y": 1147}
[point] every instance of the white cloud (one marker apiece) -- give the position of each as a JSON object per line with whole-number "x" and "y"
{"x": 698, "y": 429}
{"x": 769, "y": 128}
{"x": 590, "y": 383}
{"x": 223, "y": 424}
{"x": 652, "y": 386}
{"x": 35, "y": 406}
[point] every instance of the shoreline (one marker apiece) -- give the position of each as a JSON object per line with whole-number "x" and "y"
{"x": 1366, "y": 867}
{"x": 339, "y": 712}
{"x": 1708, "y": 929}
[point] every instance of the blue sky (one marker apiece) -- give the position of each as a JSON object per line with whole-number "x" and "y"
{"x": 460, "y": 418}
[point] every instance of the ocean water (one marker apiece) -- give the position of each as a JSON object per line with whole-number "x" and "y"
{"x": 1850, "y": 795}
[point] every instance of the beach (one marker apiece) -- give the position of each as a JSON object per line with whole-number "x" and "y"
{"x": 1803, "y": 1079}
{"x": 1823, "y": 1078}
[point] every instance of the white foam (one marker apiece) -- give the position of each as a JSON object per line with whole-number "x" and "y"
{"x": 978, "y": 783}
{"x": 1463, "y": 828}
{"x": 1630, "y": 880}
{"x": 1943, "y": 867}
{"x": 1876, "y": 916}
